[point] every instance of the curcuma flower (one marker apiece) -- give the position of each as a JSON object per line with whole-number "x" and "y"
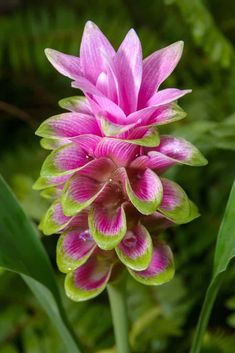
{"x": 105, "y": 172}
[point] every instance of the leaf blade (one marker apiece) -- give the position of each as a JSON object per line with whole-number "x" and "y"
{"x": 21, "y": 251}
{"x": 225, "y": 246}
{"x": 225, "y": 251}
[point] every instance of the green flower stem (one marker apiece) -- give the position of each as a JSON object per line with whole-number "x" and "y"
{"x": 116, "y": 292}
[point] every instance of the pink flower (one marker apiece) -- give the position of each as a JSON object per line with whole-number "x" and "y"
{"x": 105, "y": 169}
{"x": 121, "y": 88}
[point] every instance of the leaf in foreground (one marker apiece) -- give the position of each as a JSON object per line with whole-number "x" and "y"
{"x": 21, "y": 251}
{"x": 225, "y": 251}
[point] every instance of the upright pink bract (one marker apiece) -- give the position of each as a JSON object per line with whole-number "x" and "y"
{"x": 105, "y": 172}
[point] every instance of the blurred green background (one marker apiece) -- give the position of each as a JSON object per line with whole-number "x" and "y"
{"x": 162, "y": 319}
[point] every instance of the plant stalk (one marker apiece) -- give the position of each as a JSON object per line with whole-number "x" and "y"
{"x": 205, "y": 314}
{"x": 117, "y": 299}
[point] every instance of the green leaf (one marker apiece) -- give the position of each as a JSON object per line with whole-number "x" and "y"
{"x": 205, "y": 31}
{"x": 21, "y": 251}
{"x": 231, "y": 320}
{"x": 9, "y": 349}
{"x": 225, "y": 251}
{"x": 145, "y": 320}
{"x": 225, "y": 247}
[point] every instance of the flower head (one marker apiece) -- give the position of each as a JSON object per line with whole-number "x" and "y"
{"x": 104, "y": 173}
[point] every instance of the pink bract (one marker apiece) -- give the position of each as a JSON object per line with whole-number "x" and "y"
{"x": 121, "y": 87}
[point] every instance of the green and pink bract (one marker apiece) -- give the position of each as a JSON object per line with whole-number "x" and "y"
{"x": 105, "y": 172}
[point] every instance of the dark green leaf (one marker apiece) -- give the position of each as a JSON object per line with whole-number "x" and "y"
{"x": 21, "y": 251}
{"x": 225, "y": 251}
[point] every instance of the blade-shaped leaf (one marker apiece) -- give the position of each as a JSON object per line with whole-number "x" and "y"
{"x": 225, "y": 251}
{"x": 225, "y": 247}
{"x": 21, "y": 251}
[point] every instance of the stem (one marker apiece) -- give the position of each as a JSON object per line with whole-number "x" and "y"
{"x": 116, "y": 292}
{"x": 205, "y": 314}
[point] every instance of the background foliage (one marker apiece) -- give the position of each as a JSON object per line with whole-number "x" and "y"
{"x": 162, "y": 319}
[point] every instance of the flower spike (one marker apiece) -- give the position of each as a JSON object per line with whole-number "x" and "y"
{"x": 105, "y": 171}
